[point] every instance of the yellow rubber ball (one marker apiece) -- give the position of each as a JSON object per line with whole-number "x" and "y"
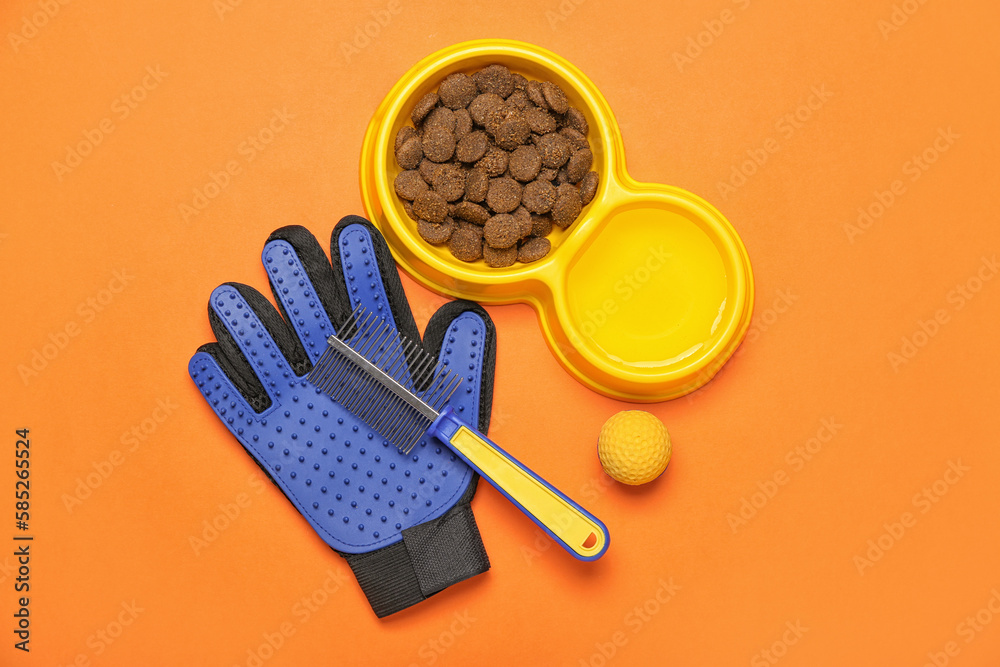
{"x": 634, "y": 447}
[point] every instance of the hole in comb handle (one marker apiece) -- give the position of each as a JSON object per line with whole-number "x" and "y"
{"x": 590, "y": 541}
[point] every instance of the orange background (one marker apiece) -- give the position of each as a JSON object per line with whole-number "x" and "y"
{"x": 849, "y": 303}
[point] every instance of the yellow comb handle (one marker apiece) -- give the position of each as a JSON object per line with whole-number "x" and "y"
{"x": 576, "y": 529}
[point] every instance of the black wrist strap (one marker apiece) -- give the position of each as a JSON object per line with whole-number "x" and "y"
{"x": 431, "y": 556}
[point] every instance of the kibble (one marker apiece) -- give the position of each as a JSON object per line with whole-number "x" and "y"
{"x": 472, "y": 146}
{"x": 502, "y": 231}
{"x": 588, "y": 187}
{"x": 466, "y": 243}
{"x": 553, "y": 147}
{"x": 539, "y": 196}
{"x": 457, "y": 90}
{"x": 492, "y": 163}
{"x": 436, "y": 233}
{"x": 463, "y": 123}
{"x": 430, "y": 206}
{"x": 541, "y": 225}
{"x": 575, "y": 120}
{"x": 405, "y": 134}
{"x": 423, "y": 107}
{"x": 409, "y": 184}
{"x": 438, "y": 144}
{"x": 523, "y": 221}
{"x": 512, "y": 131}
{"x": 575, "y": 138}
{"x": 539, "y": 120}
{"x": 442, "y": 117}
{"x": 533, "y": 249}
{"x": 410, "y": 153}
{"x": 534, "y": 92}
{"x": 476, "y": 185}
{"x": 472, "y": 212}
{"x": 449, "y": 182}
{"x": 555, "y": 97}
{"x": 495, "y": 79}
{"x": 503, "y": 195}
{"x": 579, "y": 164}
{"x": 499, "y": 258}
{"x": 566, "y": 207}
{"x": 524, "y": 163}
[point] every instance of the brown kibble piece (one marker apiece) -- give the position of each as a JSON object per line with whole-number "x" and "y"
{"x": 408, "y": 208}
{"x": 575, "y": 139}
{"x": 439, "y": 144}
{"x": 541, "y": 225}
{"x": 476, "y": 185}
{"x": 579, "y": 164}
{"x": 409, "y": 184}
{"x": 555, "y": 97}
{"x": 553, "y": 147}
{"x": 523, "y": 220}
{"x": 405, "y": 134}
{"x": 449, "y": 182}
{"x": 501, "y": 231}
{"x": 519, "y": 100}
{"x": 503, "y": 195}
{"x": 436, "y": 232}
{"x": 575, "y": 119}
{"x": 499, "y": 258}
{"x": 440, "y": 117}
{"x": 430, "y": 206}
{"x": 457, "y": 90}
{"x": 520, "y": 83}
{"x": 463, "y": 123}
{"x": 524, "y": 163}
{"x": 423, "y": 107}
{"x": 588, "y": 187}
{"x": 533, "y": 249}
{"x": 495, "y": 79}
{"x": 466, "y": 243}
{"x": 494, "y": 162}
{"x": 495, "y": 118}
{"x": 561, "y": 177}
{"x": 539, "y": 196}
{"x": 410, "y": 153}
{"x": 540, "y": 121}
{"x": 547, "y": 174}
{"x": 427, "y": 169}
{"x": 471, "y": 212}
{"x": 567, "y": 206}
{"x": 513, "y": 131}
{"x": 535, "y": 94}
{"x": 480, "y": 107}
{"x": 472, "y": 146}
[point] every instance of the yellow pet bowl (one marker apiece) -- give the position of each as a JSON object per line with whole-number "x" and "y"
{"x": 642, "y": 299}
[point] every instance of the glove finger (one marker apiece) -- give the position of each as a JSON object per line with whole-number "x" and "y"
{"x": 462, "y": 335}
{"x": 365, "y": 273}
{"x": 261, "y": 355}
{"x": 302, "y": 282}
{"x": 214, "y": 383}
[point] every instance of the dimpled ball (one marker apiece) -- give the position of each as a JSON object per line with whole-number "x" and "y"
{"x": 634, "y": 447}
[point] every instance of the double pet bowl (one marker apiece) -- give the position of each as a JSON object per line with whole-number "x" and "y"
{"x": 642, "y": 299}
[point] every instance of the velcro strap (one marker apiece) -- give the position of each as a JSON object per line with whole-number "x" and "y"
{"x": 431, "y": 557}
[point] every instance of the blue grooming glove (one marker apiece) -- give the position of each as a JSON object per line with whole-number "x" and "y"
{"x": 402, "y": 521}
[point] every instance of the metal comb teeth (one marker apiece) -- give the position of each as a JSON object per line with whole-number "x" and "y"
{"x": 384, "y": 378}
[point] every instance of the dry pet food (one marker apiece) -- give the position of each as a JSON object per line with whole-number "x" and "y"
{"x": 492, "y": 163}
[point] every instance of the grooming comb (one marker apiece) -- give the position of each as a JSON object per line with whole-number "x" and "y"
{"x": 401, "y": 392}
